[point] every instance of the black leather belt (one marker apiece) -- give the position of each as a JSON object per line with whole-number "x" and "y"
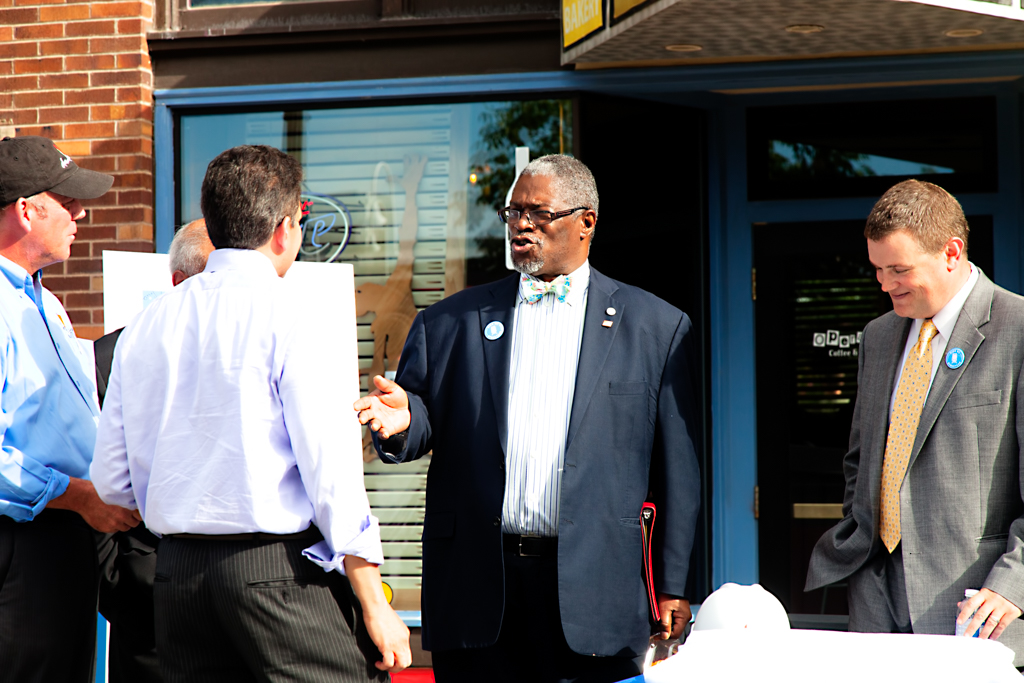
{"x": 309, "y": 533}
{"x": 530, "y": 546}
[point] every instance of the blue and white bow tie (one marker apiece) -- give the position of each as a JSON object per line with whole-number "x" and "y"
{"x": 533, "y": 290}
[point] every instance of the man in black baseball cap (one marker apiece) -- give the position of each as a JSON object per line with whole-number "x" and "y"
{"x": 30, "y": 165}
{"x": 49, "y": 510}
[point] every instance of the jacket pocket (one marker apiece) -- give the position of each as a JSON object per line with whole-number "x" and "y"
{"x": 438, "y": 525}
{"x": 985, "y": 398}
{"x": 627, "y": 388}
{"x": 283, "y": 582}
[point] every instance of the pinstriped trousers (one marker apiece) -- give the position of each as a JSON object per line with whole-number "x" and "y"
{"x": 234, "y": 611}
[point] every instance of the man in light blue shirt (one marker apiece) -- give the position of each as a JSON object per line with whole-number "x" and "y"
{"x": 48, "y": 507}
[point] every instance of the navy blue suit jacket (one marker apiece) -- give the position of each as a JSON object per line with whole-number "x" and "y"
{"x": 631, "y": 436}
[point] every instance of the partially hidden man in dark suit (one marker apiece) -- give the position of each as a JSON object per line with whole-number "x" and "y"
{"x": 933, "y": 500}
{"x": 563, "y": 415}
{"x": 128, "y": 558}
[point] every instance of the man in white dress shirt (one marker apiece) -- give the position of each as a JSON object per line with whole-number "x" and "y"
{"x": 221, "y": 426}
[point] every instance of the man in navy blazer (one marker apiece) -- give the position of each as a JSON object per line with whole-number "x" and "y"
{"x": 552, "y": 417}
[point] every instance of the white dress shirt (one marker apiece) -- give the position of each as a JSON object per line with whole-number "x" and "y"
{"x": 546, "y": 340}
{"x": 944, "y": 321}
{"x": 226, "y": 413}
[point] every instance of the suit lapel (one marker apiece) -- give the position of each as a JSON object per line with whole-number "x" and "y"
{"x": 966, "y": 335}
{"x": 597, "y": 341}
{"x": 886, "y": 381}
{"x": 498, "y": 352}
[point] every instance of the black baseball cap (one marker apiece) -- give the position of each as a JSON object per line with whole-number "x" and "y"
{"x": 31, "y": 164}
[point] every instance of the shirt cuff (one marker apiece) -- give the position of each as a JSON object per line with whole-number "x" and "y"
{"x": 21, "y": 512}
{"x": 366, "y": 545}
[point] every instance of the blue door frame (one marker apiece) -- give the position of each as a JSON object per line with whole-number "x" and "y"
{"x": 731, "y": 217}
{"x": 724, "y": 92}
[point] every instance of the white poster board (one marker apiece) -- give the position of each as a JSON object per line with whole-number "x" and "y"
{"x": 332, "y": 283}
{"x": 131, "y": 281}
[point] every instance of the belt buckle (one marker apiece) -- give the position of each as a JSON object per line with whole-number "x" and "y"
{"x": 525, "y": 554}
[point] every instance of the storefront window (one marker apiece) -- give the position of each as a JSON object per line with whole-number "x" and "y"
{"x": 862, "y": 149}
{"x": 458, "y": 159}
{"x": 407, "y": 195}
{"x": 197, "y": 4}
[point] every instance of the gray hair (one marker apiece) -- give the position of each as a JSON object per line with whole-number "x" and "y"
{"x": 573, "y": 182}
{"x": 189, "y": 248}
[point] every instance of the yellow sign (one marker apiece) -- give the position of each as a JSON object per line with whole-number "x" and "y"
{"x": 388, "y": 593}
{"x": 580, "y": 18}
{"x": 620, "y": 7}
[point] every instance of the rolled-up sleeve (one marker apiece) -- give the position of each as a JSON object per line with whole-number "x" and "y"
{"x": 26, "y": 484}
{"x": 326, "y": 439}
{"x": 47, "y": 410}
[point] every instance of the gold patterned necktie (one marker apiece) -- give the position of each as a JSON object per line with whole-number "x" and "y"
{"x": 906, "y": 414}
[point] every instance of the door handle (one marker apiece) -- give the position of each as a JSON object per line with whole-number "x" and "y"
{"x": 817, "y": 510}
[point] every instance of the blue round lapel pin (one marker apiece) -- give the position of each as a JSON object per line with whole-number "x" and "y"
{"x": 494, "y": 330}
{"x": 955, "y": 358}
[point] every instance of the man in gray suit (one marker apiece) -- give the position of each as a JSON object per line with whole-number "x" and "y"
{"x": 933, "y": 478}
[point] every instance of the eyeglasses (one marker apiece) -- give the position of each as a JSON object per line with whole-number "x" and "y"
{"x": 535, "y": 217}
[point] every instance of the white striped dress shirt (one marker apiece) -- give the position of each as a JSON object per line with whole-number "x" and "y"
{"x": 546, "y": 340}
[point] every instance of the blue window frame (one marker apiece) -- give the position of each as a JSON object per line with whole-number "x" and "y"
{"x": 725, "y": 91}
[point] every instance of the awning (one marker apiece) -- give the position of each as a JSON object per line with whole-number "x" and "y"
{"x": 621, "y": 33}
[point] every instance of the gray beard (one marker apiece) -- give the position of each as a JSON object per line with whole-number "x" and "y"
{"x": 527, "y": 267}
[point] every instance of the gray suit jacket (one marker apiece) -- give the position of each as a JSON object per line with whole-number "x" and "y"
{"x": 961, "y": 502}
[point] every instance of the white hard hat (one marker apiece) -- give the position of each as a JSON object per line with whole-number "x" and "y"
{"x": 737, "y": 607}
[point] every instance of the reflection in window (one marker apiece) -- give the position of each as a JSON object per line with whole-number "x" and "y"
{"x": 861, "y": 149}
{"x": 458, "y": 160}
{"x": 832, "y": 303}
{"x": 407, "y": 195}
{"x": 829, "y": 314}
{"x": 542, "y": 125}
{"x": 195, "y": 4}
{"x": 795, "y": 159}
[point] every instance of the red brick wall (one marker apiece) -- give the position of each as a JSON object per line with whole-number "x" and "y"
{"x": 79, "y": 73}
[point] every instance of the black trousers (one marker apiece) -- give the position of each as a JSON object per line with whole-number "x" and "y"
{"x": 48, "y": 584}
{"x": 127, "y": 562}
{"x": 531, "y": 646}
{"x": 234, "y": 611}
